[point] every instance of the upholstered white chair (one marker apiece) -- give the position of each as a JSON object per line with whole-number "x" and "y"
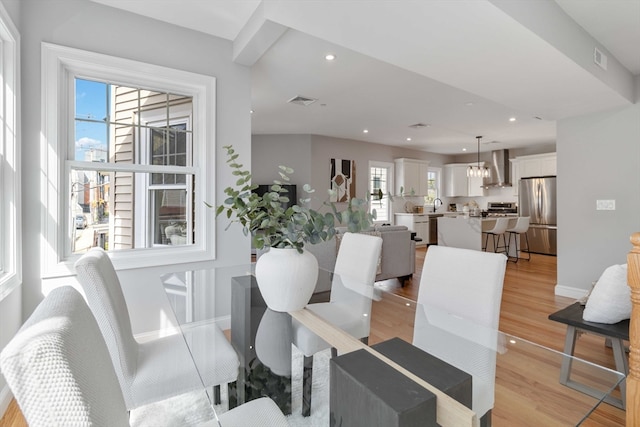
{"x": 496, "y": 233}
{"x": 519, "y": 229}
{"x": 153, "y": 370}
{"x": 59, "y": 370}
{"x": 349, "y": 307}
{"x": 458, "y": 313}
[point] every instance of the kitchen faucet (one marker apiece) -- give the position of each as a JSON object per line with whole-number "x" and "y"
{"x": 434, "y": 203}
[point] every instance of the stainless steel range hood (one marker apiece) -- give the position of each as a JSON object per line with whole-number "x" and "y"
{"x": 500, "y": 169}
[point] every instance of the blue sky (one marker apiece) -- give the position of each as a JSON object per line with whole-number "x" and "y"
{"x": 91, "y": 103}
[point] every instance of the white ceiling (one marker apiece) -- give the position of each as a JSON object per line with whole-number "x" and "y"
{"x": 463, "y": 67}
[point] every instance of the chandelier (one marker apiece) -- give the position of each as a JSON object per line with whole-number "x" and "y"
{"x": 478, "y": 171}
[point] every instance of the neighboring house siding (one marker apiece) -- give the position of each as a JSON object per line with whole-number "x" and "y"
{"x": 122, "y": 151}
{"x": 128, "y": 104}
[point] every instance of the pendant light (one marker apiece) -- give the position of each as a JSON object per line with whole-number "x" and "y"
{"x": 478, "y": 171}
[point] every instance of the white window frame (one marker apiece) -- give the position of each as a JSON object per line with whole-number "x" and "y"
{"x": 60, "y": 66}
{"x": 390, "y": 170}
{"x": 10, "y": 184}
{"x": 142, "y": 218}
{"x": 438, "y": 172}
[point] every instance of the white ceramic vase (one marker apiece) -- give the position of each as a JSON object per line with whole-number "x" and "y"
{"x": 286, "y": 278}
{"x": 273, "y": 342}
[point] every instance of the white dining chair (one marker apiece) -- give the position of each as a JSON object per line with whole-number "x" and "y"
{"x": 156, "y": 369}
{"x": 498, "y": 230}
{"x": 464, "y": 284}
{"x": 60, "y": 373}
{"x": 519, "y": 229}
{"x": 349, "y": 307}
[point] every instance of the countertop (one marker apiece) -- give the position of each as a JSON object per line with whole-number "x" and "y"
{"x": 429, "y": 213}
{"x": 482, "y": 219}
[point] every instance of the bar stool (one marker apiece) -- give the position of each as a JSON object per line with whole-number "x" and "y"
{"x": 498, "y": 229}
{"x": 521, "y": 227}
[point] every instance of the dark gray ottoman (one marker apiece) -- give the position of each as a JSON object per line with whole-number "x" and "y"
{"x": 366, "y": 392}
{"x": 446, "y": 378}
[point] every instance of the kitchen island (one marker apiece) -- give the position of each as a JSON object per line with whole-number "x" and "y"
{"x": 465, "y": 231}
{"x": 424, "y": 225}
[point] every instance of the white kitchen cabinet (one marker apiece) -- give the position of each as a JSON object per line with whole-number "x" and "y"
{"x": 411, "y": 176}
{"x": 535, "y": 165}
{"x": 457, "y": 184}
{"x": 417, "y": 223}
{"x": 455, "y": 180}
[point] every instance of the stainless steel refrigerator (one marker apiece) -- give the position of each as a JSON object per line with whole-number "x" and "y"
{"x": 537, "y": 200}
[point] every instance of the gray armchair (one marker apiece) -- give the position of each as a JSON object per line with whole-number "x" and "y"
{"x": 398, "y": 255}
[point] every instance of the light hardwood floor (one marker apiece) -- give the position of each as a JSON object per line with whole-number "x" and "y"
{"x": 528, "y": 298}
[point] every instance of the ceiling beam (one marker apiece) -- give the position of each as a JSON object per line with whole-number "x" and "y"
{"x": 256, "y": 37}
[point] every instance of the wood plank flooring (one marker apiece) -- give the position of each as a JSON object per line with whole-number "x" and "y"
{"x": 528, "y": 298}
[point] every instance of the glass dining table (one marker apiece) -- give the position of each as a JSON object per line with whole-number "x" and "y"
{"x": 525, "y": 375}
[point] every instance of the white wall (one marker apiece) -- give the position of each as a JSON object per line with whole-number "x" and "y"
{"x": 310, "y": 155}
{"x": 270, "y": 151}
{"x": 91, "y": 26}
{"x": 598, "y": 158}
{"x": 11, "y": 304}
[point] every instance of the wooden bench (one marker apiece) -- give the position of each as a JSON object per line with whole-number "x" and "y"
{"x": 616, "y": 333}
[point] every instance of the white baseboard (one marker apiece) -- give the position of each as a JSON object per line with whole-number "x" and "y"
{"x": 567, "y": 291}
{"x": 5, "y": 399}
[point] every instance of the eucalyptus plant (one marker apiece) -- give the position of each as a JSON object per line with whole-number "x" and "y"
{"x": 271, "y": 225}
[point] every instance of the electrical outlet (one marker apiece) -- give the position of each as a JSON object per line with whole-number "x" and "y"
{"x": 605, "y": 205}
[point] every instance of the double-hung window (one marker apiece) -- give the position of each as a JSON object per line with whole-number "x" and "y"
{"x": 380, "y": 186}
{"x": 130, "y": 148}
{"x": 10, "y": 211}
{"x": 433, "y": 185}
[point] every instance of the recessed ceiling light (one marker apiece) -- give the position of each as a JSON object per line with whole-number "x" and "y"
{"x": 512, "y": 119}
{"x": 251, "y": 111}
{"x": 408, "y": 139}
{"x": 365, "y": 131}
{"x": 329, "y": 57}
{"x": 469, "y": 104}
{"x": 464, "y": 149}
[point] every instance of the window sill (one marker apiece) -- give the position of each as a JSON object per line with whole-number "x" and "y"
{"x": 138, "y": 258}
{"x": 8, "y": 283}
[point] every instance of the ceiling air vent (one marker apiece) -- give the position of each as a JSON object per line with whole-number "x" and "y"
{"x": 302, "y": 100}
{"x": 419, "y": 126}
